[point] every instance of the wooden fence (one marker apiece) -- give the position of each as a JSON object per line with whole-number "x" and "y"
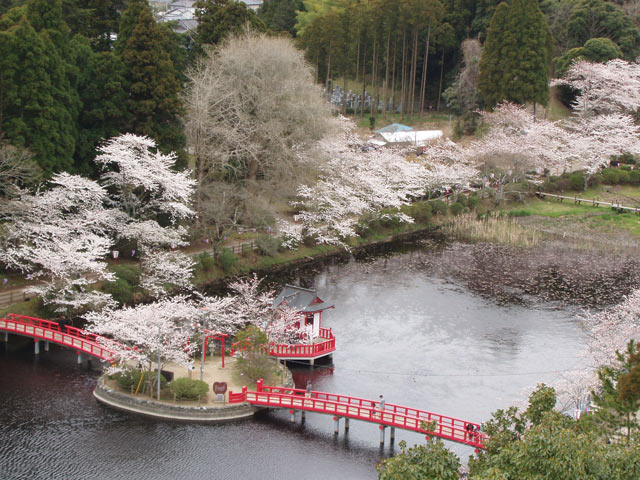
{"x": 587, "y": 201}
{"x": 242, "y": 247}
{"x": 13, "y": 296}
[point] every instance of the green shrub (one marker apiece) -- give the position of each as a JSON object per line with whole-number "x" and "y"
{"x": 634, "y": 177}
{"x": 188, "y": 389}
{"x": 626, "y": 158}
{"x": 367, "y": 225}
{"x": 576, "y": 180}
{"x": 267, "y": 245}
{"x": 439, "y": 207}
{"x": 227, "y": 260}
{"x": 389, "y": 218}
{"x": 473, "y": 201}
{"x": 420, "y": 212}
{"x": 595, "y": 180}
{"x": 130, "y": 273}
{"x": 462, "y": 200}
{"x": 131, "y": 378}
{"x": 519, "y": 213}
{"x": 120, "y": 290}
{"x": 207, "y": 263}
{"x": 623, "y": 177}
{"x": 610, "y": 176}
{"x": 626, "y": 168}
{"x": 456, "y": 208}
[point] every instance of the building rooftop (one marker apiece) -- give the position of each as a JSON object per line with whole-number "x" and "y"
{"x": 301, "y": 299}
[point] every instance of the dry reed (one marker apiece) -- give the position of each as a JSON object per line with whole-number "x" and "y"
{"x": 491, "y": 229}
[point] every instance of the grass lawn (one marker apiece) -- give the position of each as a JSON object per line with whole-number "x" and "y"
{"x": 608, "y": 193}
{"x": 550, "y": 208}
{"x": 602, "y": 219}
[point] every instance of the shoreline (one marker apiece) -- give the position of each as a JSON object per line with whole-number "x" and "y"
{"x": 173, "y": 412}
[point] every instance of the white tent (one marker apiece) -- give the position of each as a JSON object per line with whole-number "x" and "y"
{"x": 414, "y": 137}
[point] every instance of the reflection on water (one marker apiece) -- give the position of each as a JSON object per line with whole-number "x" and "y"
{"x": 406, "y": 325}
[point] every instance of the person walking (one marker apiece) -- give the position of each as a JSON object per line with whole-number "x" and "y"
{"x": 307, "y": 392}
{"x": 63, "y": 324}
{"x": 381, "y": 404}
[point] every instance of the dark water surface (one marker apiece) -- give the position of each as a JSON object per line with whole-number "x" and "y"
{"x": 421, "y": 337}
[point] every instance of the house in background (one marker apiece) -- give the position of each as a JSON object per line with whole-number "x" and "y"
{"x": 183, "y": 12}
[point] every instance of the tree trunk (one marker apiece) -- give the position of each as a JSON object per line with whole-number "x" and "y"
{"x": 358, "y": 61}
{"x": 441, "y": 75}
{"x": 425, "y": 66}
{"x": 374, "y": 86}
{"x": 385, "y": 84}
{"x": 402, "y": 88}
{"x": 393, "y": 78}
{"x": 364, "y": 80}
{"x": 326, "y": 85}
{"x": 414, "y": 68}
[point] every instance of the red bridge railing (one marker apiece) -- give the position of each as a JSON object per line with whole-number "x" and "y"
{"x": 447, "y": 428}
{"x": 71, "y": 337}
{"x": 312, "y": 350}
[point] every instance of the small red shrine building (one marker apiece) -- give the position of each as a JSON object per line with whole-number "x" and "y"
{"x": 310, "y": 306}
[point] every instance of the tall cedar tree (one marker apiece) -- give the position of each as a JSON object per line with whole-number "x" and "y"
{"x": 35, "y": 93}
{"x": 219, "y": 18}
{"x": 490, "y": 77}
{"x": 280, "y": 15}
{"x": 516, "y": 57}
{"x": 153, "y": 84}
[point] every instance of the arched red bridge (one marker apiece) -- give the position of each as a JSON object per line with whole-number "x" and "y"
{"x": 71, "y": 337}
{"x": 342, "y": 406}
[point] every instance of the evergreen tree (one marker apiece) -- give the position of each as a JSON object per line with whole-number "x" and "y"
{"x": 516, "y": 58}
{"x": 528, "y": 54}
{"x": 597, "y": 18}
{"x": 280, "y": 15}
{"x": 218, "y": 18}
{"x": 32, "y": 99}
{"x": 490, "y": 77}
{"x": 153, "y": 85}
{"x": 128, "y": 21}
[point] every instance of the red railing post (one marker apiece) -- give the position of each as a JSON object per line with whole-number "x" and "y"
{"x": 259, "y": 385}
{"x": 244, "y": 393}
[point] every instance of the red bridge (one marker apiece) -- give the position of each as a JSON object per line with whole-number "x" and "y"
{"x": 341, "y": 406}
{"x": 71, "y": 337}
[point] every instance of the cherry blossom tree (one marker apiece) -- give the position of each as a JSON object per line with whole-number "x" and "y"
{"x": 612, "y": 87}
{"x": 61, "y": 237}
{"x": 358, "y": 180}
{"x": 612, "y": 328}
{"x": 165, "y": 272}
{"x": 146, "y": 332}
{"x": 142, "y": 188}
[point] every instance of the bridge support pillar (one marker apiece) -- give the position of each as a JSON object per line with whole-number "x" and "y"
{"x": 46, "y": 346}
{"x": 293, "y": 416}
{"x": 336, "y": 425}
{"x": 36, "y": 346}
{"x": 346, "y": 425}
{"x": 392, "y": 434}
{"x": 312, "y": 361}
{"x": 5, "y": 337}
{"x": 79, "y": 358}
{"x": 382, "y": 428}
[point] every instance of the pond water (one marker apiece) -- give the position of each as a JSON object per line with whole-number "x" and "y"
{"x": 405, "y": 327}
